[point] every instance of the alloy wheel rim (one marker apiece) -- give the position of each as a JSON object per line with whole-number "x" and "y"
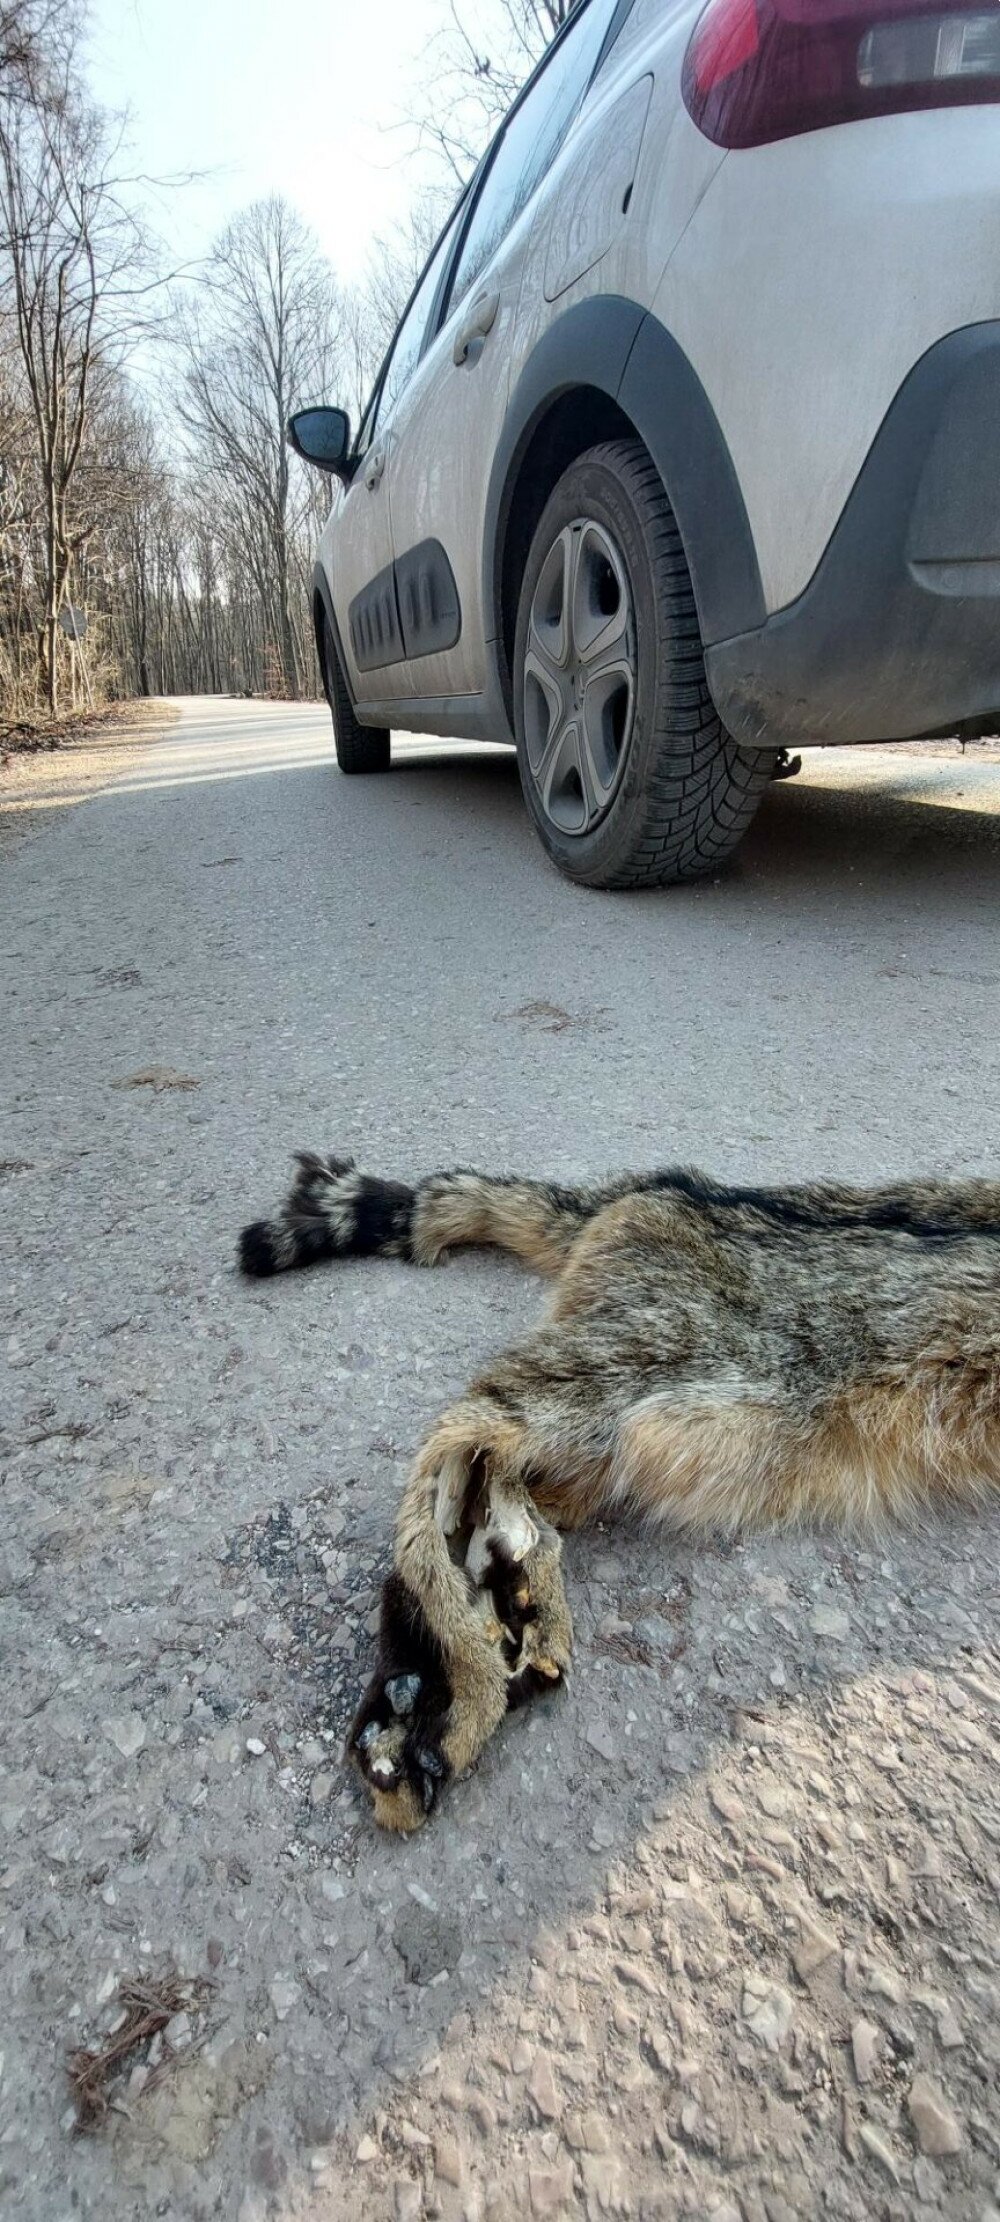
{"x": 579, "y": 677}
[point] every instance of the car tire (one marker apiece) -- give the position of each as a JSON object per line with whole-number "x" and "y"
{"x": 360, "y": 748}
{"x": 628, "y": 773}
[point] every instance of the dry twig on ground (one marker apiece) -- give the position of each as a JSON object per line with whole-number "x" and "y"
{"x": 149, "y": 2003}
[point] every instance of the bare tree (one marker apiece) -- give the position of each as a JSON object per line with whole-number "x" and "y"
{"x": 73, "y": 265}
{"x": 190, "y": 546}
{"x": 20, "y": 518}
{"x": 476, "y": 65}
{"x": 260, "y": 338}
{"x": 36, "y": 37}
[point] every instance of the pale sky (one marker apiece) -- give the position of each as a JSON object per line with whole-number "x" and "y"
{"x": 292, "y": 96}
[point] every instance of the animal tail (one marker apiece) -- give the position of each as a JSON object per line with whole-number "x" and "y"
{"x": 333, "y": 1211}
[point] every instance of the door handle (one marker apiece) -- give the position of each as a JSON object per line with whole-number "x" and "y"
{"x": 477, "y": 325}
{"x": 374, "y": 466}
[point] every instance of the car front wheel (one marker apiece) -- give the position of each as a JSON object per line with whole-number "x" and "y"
{"x": 627, "y": 770}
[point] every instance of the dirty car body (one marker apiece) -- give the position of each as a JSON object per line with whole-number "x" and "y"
{"x": 718, "y": 318}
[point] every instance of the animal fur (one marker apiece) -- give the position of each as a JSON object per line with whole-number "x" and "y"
{"x": 709, "y": 1358}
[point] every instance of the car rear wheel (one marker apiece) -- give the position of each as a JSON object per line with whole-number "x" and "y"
{"x": 627, "y": 770}
{"x": 360, "y": 748}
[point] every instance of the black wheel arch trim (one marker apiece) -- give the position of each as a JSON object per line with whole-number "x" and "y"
{"x": 663, "y": 396}
{"x": 322, "y": 606}
{"x": 613, "y": 345}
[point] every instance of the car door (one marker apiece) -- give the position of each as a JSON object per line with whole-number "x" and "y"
{"x": 360, "y": 540}
{"x": 447, "y": 419}
{"x": 356, "y": 554}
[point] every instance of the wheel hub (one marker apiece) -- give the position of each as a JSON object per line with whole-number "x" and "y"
{"x": 579, "y": 677}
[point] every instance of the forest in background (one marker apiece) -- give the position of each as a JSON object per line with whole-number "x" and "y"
{"x": 183, "y": 530}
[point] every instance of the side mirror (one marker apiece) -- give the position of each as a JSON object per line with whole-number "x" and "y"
{"x": 322, "y": 437}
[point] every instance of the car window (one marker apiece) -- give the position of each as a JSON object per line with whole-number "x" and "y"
{"x": 408, "y": 343}
{"x": 531, "y": 138}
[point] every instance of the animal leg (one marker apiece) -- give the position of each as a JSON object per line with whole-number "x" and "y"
{"x": 474, "y": 1615}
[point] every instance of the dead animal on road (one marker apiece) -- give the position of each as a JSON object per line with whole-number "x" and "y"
{"x": 710, "y": 1358}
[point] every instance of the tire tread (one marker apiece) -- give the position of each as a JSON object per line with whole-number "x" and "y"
{"x": 360, "y": 748}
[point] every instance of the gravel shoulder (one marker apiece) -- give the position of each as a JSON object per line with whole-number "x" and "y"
{"x": 713, "y": 1934}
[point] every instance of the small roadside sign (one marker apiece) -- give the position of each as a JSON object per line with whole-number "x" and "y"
{"x": 73, "y": 621}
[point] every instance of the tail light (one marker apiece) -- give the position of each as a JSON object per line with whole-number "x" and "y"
{"x": 757, "y": 70}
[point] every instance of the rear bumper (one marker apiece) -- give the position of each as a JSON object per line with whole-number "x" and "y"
{"x": 898, "y": 632}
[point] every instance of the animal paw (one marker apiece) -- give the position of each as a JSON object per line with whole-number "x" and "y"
{"x": 534, "y": 1672}
{"x": 396, "y": 1737}
{"x": 378, "y": 1749}
{"x": 398, "y": 1752}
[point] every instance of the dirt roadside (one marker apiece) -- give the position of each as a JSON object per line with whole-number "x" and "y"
{"x": 36, "y": 780}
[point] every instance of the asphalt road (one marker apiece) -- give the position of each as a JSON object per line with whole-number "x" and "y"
{"x": 541, "y": 2005}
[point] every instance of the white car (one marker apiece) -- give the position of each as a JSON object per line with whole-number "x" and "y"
{"x": 687, "y": 447}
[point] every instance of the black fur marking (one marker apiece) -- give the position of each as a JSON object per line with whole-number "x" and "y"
{"x": 383, "y": 1218}
{"x": 891, "y": 1215}
{"x": 314, "y": 1244}
{"x": 257, "y": 1251}
{"x": 406, "y": 1648}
